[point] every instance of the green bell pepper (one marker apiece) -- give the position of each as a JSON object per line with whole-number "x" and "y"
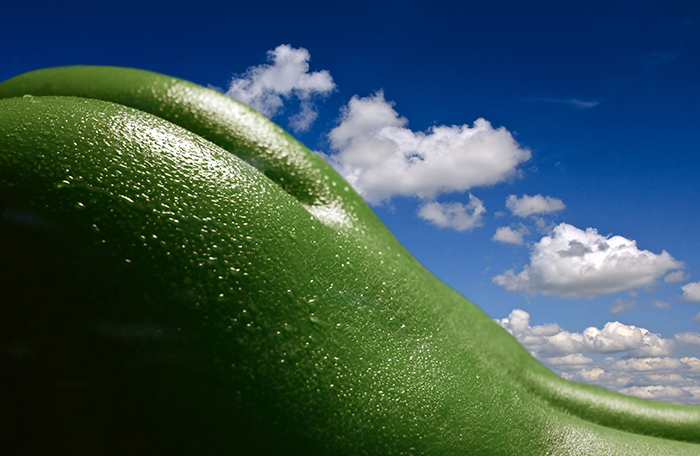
{"x": 180, "y": 276}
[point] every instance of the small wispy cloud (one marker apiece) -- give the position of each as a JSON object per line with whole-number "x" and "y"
{"x": 696, "y": 319}
{"x": 508, "y": 235}
{"x": 574, "y": 102}
{"x": 622, "y": 305}
{"x": 529, "y": 205}
{"x": 458, "y": 216}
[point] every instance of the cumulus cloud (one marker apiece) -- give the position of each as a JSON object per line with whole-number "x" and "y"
{"x": 660, "y": 378}
{"x": 622, "y": 305}
{"x": 659, "y": 304}
{"x": 691, "y": 292}
{"x": 458, "y": 216}
{"x": 382, "y": 158}
{"x": 647, "y": 367}
{"x": 508, "y": 235}
{"x": 552, "y": 341}
{"x": 528, "y": 205}
{"x": 266, "y": 87}
{"x": 572, "y": 262}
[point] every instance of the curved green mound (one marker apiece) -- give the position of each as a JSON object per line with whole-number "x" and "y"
{"x": 179, "y": 275}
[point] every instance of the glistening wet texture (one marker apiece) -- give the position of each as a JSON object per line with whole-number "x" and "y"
{"x": 229, "y": 124}
{"x": 182, "y": 297}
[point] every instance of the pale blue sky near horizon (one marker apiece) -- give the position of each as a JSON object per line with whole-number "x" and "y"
{"x": 600, "y": 101}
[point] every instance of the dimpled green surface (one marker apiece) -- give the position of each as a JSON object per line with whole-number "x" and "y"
{"x": 161, "y": 295}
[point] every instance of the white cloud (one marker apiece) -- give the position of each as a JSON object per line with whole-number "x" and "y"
{"x": 676, "y": 276}
{"x": 647, "y": 368}
{"x": 381, "y": 158}
{"x": 508, "y": 235}
{"x": 459, "y": 216}
{"x": 622, "y": 305}
{"x": 659, "y": 304}
{"x": 696, "y": 318}
{"x": 652, "y": 345}
{"x": 617, "y": 337}
{"x": 572, "y": 262}
{"x": 528, "y": 205}
{"x": 691, "y": 292}
{"x": 688, "y": 338}
{"x": 264, "y": 87}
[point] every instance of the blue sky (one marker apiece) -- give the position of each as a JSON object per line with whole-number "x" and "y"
{"x": 581, "y": 179}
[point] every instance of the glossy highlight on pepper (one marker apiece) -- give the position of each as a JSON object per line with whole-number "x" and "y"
{"x": 184, "y": 276}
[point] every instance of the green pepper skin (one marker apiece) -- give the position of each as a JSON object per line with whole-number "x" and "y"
{"x": 161, "y": 295}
